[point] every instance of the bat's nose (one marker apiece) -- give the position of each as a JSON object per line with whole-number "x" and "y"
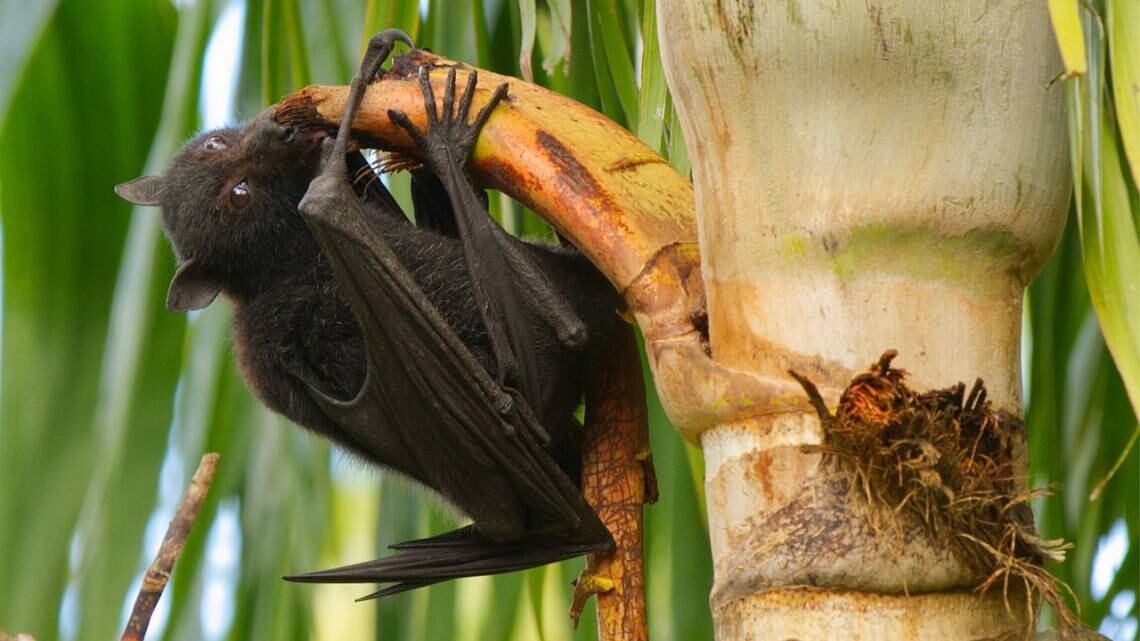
{"x": 269, "y": 129}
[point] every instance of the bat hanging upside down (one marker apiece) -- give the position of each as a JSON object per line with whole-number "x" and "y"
{"x": 447, "y": 350}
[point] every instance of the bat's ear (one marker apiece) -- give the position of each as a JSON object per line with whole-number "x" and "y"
{"x": 191, "y": 288}
{"x": 141, "y": 191}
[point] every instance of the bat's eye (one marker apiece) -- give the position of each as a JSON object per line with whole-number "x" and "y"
{"x": 239, "y": 195}
{"x": 215, "y": 143}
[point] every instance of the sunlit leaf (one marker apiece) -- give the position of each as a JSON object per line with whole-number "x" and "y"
{"x": 389, "y": 14}
{"x": 1124, "y": 52}
{"x": 528, "y": 15}
{"x": 21, "y": 23}
{"x": 1070, "y": 38}
{"x": 1109, "y": 242}
{"x": 653, "y": 99}
{"x": 77, "y": 124}
{"x": 561, "y": 20}
{"x": 607, "y": 31}
{"x": 298, "y": 48}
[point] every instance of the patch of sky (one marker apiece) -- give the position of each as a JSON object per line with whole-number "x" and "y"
{"x": 69, "y": 605}
{"x": 220, "y": 67}
{"x": 1110, "y": 553}
{"x": 1118, "y": 625}
{"x": 221, "y": 571}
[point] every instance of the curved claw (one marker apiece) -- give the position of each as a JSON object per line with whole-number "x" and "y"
{"x": 379, "y": 48}
{"x": 391, "y": 37}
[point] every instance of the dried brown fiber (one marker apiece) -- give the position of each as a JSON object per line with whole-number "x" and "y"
{"x": 946, "y": 458}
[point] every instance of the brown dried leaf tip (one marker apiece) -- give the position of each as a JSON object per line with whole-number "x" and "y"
{"x": 946, "y": 458}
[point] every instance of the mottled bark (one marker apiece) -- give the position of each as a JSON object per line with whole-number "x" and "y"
{"x": 617, "y": 479}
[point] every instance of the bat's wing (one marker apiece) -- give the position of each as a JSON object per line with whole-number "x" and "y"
{"x": 461, "y": 553}
{"x": 428, "y": 409}
{"x": 505, "y": 280}
{"x": 433, "y": 208}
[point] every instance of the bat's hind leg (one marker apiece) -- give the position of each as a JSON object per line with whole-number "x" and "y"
{"x": 379, "y": 48}
{"x": 447, "y": 146}
{"x": 331, "y": 191}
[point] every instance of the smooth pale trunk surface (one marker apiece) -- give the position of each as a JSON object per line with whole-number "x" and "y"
{"x": 868, "y": 175}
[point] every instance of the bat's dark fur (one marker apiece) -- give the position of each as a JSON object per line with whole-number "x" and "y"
{"x": 287, "y": 313}
{"x": 230, "y": 208}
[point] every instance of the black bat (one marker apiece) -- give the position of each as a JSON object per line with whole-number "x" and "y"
{"x": 449, "y": 351}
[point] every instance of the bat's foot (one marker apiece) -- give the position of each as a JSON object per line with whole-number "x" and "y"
{"x": 446, "y": 147}
{"x": 449, "y": 138}
{"x": 379, "y": 48}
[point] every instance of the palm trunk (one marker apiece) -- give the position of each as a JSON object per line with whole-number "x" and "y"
{"x": 868, "y": 175}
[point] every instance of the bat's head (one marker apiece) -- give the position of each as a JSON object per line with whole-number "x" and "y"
{"x": 229, "y": 206}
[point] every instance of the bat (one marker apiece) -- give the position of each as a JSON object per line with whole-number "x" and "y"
{"x": 446, "y": 350}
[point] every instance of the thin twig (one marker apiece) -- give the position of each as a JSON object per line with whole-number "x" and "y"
{"x": 157, "y": 575}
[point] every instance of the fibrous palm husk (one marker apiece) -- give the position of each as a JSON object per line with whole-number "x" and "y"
{"x": 946, "y": 458}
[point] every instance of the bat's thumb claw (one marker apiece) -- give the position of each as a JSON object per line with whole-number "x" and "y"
{"x": 327, "y": 146}
{"x": 574, "y": 336}
{"x": 503, "y": 403}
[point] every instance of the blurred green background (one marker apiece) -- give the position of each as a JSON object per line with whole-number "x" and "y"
{"x": 107, "y": 400}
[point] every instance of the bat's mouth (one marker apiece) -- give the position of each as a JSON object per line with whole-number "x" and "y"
{"x": 309, "y": 136}
{"x": 309, "y": 139}
{"x": 314, "y": 137}
{"x": 311, "y": 131}
{"x": 308, "y": 142}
